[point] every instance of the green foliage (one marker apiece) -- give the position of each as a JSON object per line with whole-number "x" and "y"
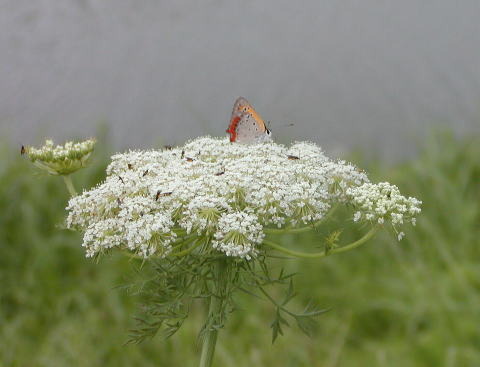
{"x": 305, "y": 320}
{"x": 413, "y": 303}
{"x": 172, "y": 287}
{"x": 174, "y": 284}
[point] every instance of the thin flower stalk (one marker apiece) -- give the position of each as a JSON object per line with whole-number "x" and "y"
{"x": 347, "y": 247}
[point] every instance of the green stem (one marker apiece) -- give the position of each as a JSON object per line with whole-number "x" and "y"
{"x": 187, "y": 251}
{"x": 181, "y": 243}
{"x": 71, "y": 189}
{"x": 348, "y": 247}
{"x": 214, "y": 311}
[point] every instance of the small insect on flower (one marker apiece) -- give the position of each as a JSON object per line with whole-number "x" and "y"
{"x": 160, "y": 194}
{"x": 220, "y": 173}
{"x": 130, "y": 166}
{"x": 23, "y": 150}
{"x": 189, "y": 159}
{"x": 292, "y": 157}
{"x": 121, "y": 179}
{"x": 183, "y": 154}
{"x": 145, "y": 173}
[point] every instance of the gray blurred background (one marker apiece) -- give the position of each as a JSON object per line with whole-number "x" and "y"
{"x": 375, "y": 74}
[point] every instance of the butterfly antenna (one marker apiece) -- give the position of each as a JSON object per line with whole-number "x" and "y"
{"x": 285, "y": 125}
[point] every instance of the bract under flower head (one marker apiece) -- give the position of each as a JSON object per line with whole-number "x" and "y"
{"x": 213, "y": 188}
{"x": 61, "y": 159}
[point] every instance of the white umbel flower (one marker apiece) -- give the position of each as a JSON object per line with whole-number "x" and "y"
{"x": 383, "y": 201}
{"x": 61, "y": 159}
{"x": 224, "y": 191}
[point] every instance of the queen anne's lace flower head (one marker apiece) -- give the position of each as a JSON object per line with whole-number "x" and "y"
{"x": 383, "y": 201}
{"x": 61, "y": 159}
{"x": 224, "y": 191}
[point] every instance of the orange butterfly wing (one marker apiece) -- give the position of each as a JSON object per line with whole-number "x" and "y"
{"x": 242, "y": 113}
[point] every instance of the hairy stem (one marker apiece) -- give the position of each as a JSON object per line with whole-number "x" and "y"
{"x": 68, "y": 182}
{"x": 348, "y": 247}
{"x": 214, "y": 311}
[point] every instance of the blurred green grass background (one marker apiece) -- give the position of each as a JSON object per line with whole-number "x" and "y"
{"x": 413, "y": 303}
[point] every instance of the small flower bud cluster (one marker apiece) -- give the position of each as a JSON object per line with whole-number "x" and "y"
{"x": 61, "y": 159}
{"x": 381, "y": 202}
{"x": 209, "y": 187}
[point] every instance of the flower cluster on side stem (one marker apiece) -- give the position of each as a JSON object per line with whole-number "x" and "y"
{"x": 60, "y": 159}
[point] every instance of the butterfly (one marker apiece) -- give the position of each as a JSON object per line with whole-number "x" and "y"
{"x": 246, "y": 125}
